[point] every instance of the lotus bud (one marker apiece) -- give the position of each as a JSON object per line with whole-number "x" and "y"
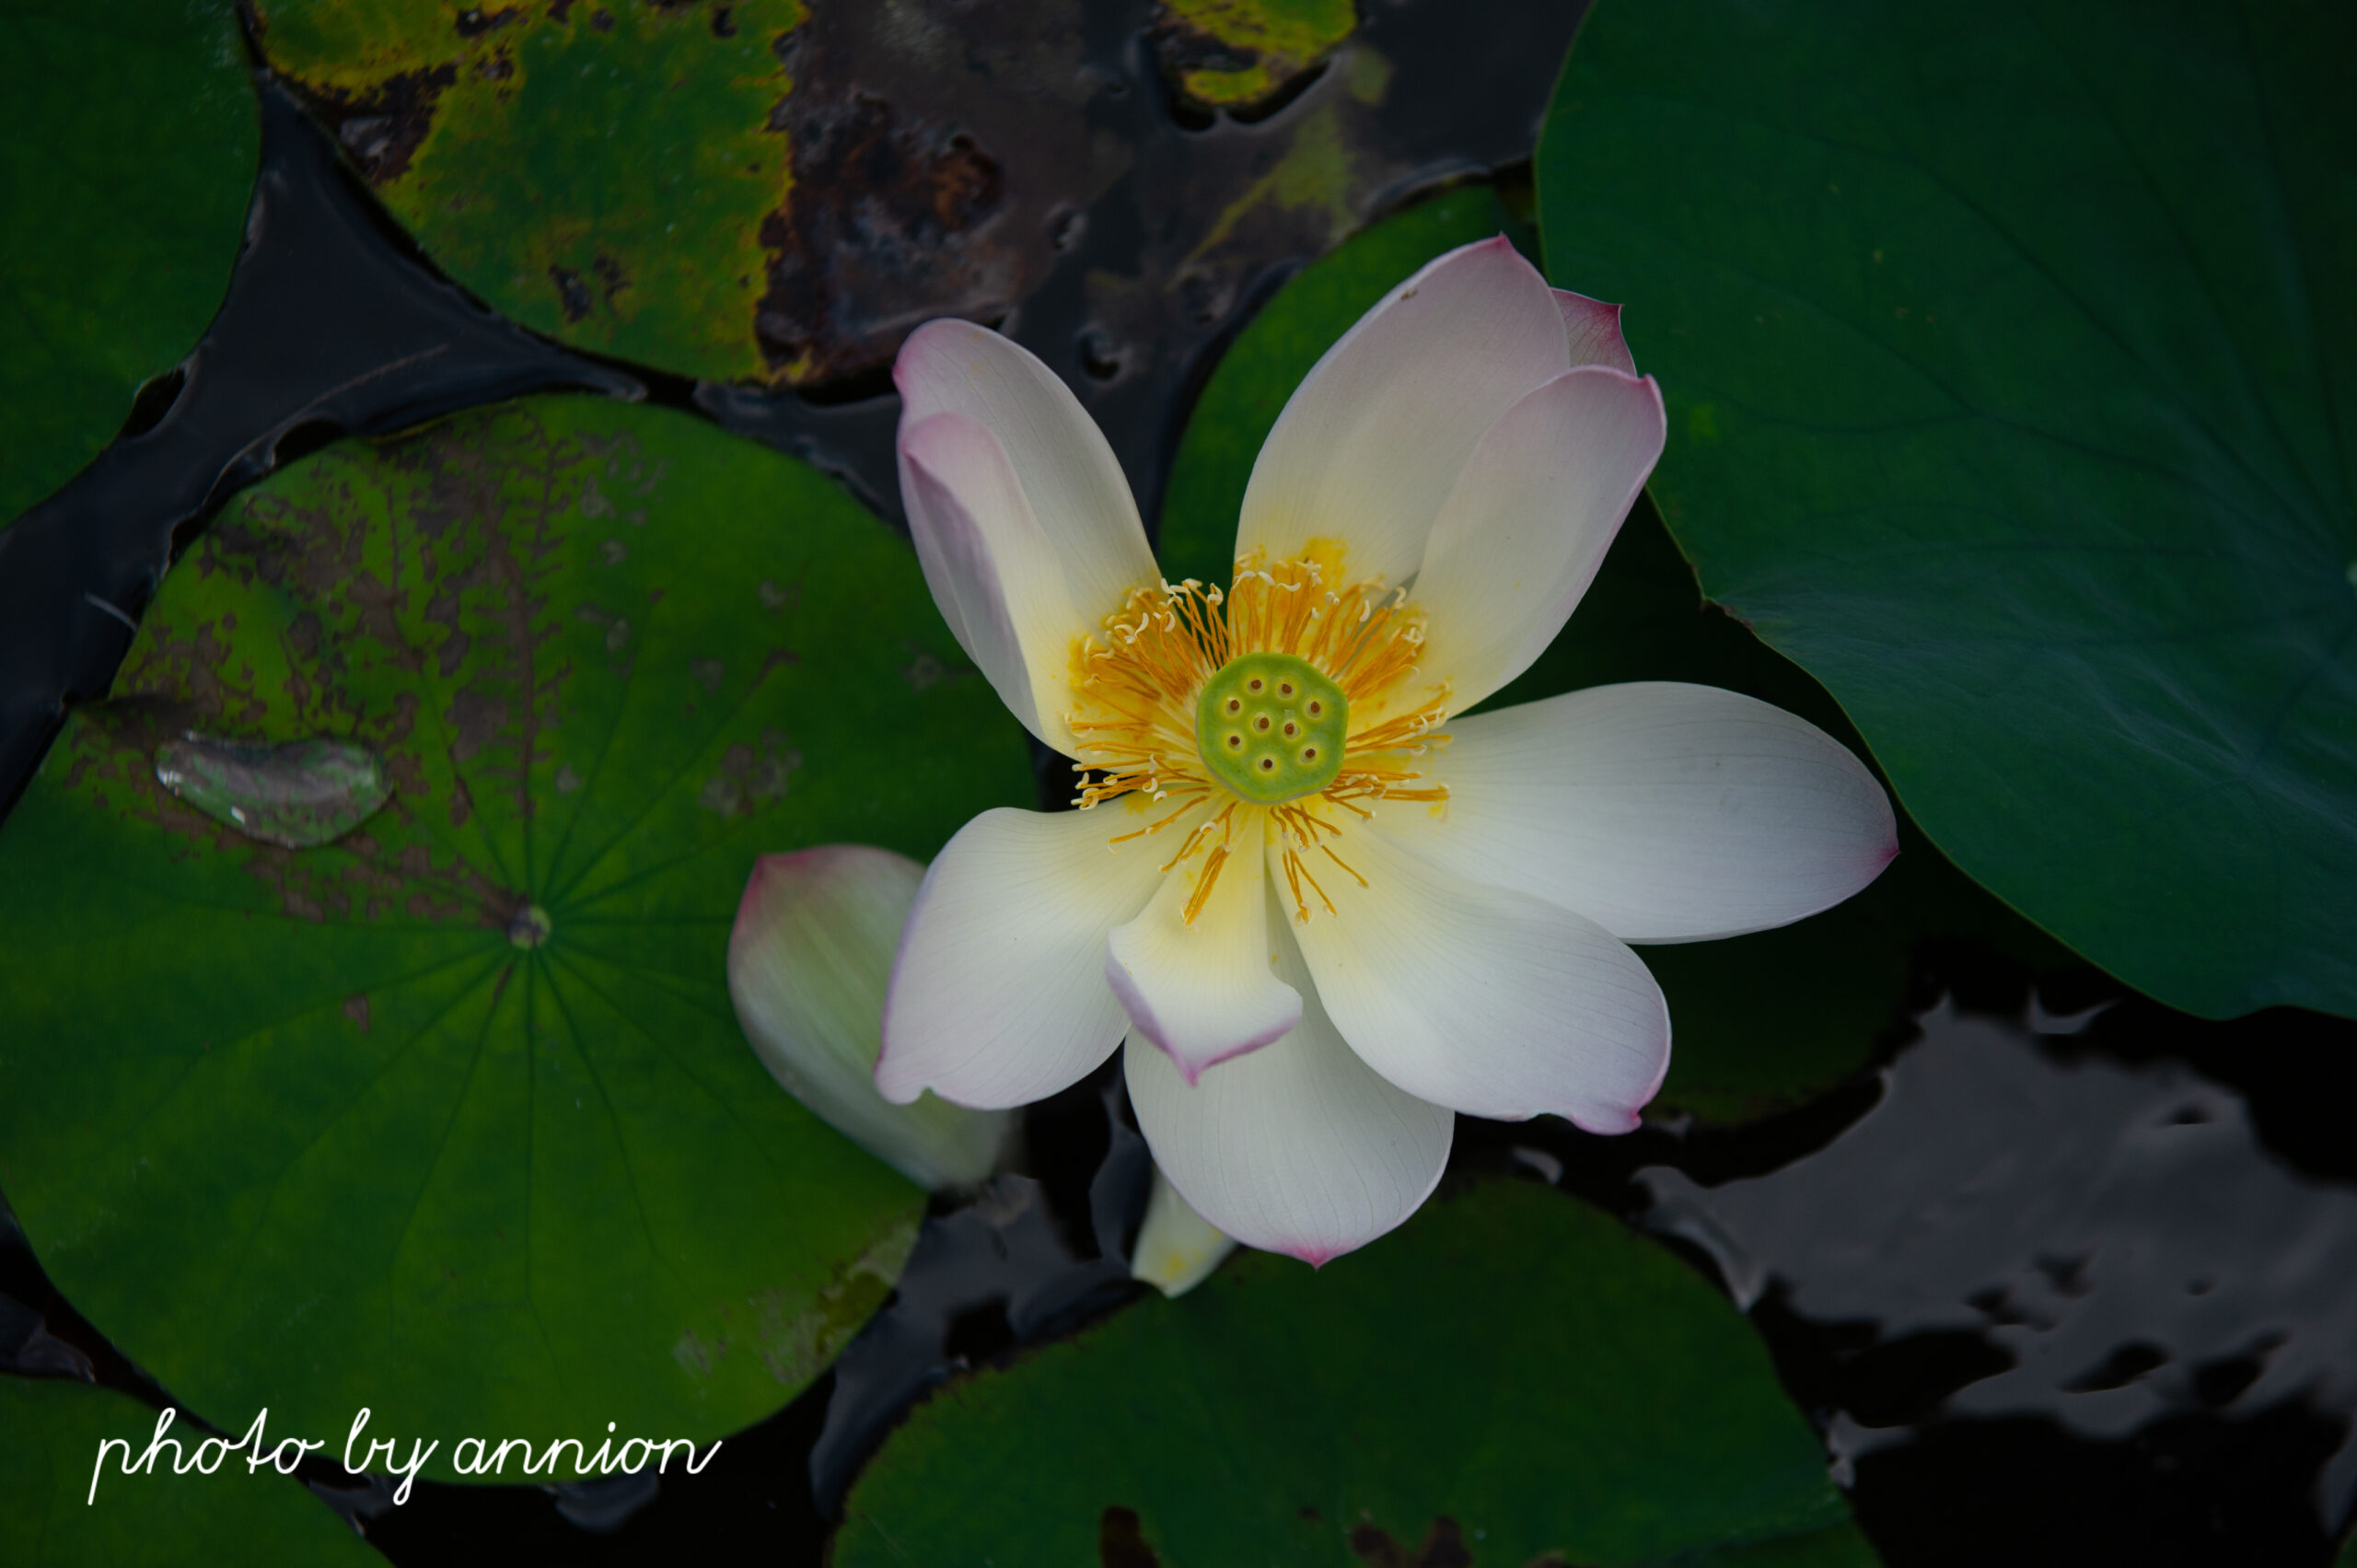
{"x": 807, "y": 961}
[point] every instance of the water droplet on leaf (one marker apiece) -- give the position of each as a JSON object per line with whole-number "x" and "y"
{"x": 298, "y": 794}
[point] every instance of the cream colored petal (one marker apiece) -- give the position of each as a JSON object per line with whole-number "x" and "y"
{"x": 1058, "y": 455}
{"x": 993, "y": 570}
{"x": 1662, "y": 811}
{"x": 1483, "y": 999}
{"x": 1371, "y": 441}
{"x": 1521, "y": 534}
{"x": 1202, "y": 990}
{"x": 1300, "y": 1147}
{"x": 1593, "y": 330}
{"x": 998, "y": 994}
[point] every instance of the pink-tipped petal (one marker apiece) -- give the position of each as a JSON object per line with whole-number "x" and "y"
{"x": 807, "y": 961}
{"x": 1202, "y": 990}
{"x": 1067, "y": 472}
{"x": 1479, "y": 998}
{"x": 1296, "y": 1148}
{"x": 1525, "y": 526}
{"x": 1371, "y": 441}
{"x": 991, "y": 569}
{"x": 1593, "y": 330}
{"x": 998, "y": 994}
{"x": 1662, "y": 811}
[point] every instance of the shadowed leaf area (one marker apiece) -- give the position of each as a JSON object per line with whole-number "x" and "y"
{"x": 1762, "y": 1022}
{"x": 49, "y": 1517}
{"x": 2010, "y": 365}
{"x": 451, "y": 1116}
{"x": 1511, "y": 1380}
{"x": 125, "y": 164}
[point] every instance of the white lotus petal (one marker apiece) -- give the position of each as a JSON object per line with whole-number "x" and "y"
{"x": 991, "y": 569}
{"x": 1593, "y": 329}
{"x": 1663, "y": 812}
{"x": 998, "y": 995}
{"x": 1298, "y": 1148}
{"x": 1201, "y": 990}
{"x": 1371, "y": 441}
{"x": 1178, "y": 1249}
{"x": 1059, "y": 457}
{"x": 1520, "y": 537}
{"x": 1483, "y": 999}
{"x": 807, "y": 961}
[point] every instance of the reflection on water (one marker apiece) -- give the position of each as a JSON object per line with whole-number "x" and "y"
{"x": 2104, "y": 1246}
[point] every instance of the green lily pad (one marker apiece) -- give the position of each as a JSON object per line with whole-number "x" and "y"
{"x": 1512, "y": 1373}
{"x": 2011, "y": 360}
{"x": 598, "y": 170}
{"x": 450, "y": 1116}
{"x": 50, "y": 1438}
{"x": 125, "y": 172}
{"x": 1762, "y": 1022}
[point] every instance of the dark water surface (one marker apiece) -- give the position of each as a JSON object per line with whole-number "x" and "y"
{"x": 2069, "y": 1279}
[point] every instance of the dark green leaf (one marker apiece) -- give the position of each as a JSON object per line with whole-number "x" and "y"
{"x": 124, "y": 170}
{"x": 1511, "y": 1371}
{"x": 451, "y": 1118}
{"x": 2010, "y": 358}
{"x": 50, "y": 1437}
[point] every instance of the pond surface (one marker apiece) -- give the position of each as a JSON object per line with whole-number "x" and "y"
{"x": 2068, "y": 1277}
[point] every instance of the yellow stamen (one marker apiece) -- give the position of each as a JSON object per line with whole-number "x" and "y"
{"x": 1135, "y": 685}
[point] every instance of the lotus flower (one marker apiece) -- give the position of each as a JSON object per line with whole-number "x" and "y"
{"x": 1325, "y": 910}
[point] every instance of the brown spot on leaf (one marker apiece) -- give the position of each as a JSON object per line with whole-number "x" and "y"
{"x": 357, "y": 1009}
{"x": 1121, "y": 1540}
{"x": 381, "y": 129}
{"x": 1444, "y": 1547}
{"x": 932, "y": 151}
{"x": 571, "y": 295}
{"x": 476, "y": 721}
{"x": 477, "y": 20}
{"x": 880, "y": 201}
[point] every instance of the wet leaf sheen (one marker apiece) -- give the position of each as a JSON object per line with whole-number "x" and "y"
{"x": 451, "y": 1118}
